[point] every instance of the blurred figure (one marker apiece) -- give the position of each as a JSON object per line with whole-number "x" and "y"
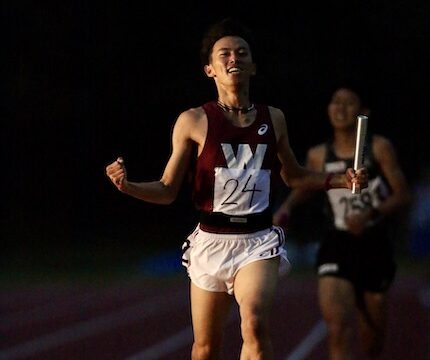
{"x": 355, "y": 260}
{"x": 420, "y": 217}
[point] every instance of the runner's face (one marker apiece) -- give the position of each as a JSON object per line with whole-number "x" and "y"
{"x": 343, "y": 108}
{"x": 231, "y": 61}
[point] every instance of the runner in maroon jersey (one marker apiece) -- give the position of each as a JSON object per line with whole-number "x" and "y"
{"x": 234, "y": 253}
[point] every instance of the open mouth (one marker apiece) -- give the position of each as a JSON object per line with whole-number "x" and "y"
{"x": 234, "y": 70}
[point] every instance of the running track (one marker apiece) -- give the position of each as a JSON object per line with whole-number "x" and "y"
{"x": 148, "y": 318}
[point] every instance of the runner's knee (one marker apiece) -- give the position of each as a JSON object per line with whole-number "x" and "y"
{"x": 204, "y": 351}
{"x": 254, "y": 328}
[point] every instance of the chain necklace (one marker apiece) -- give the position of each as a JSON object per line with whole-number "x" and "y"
{"x": 228, "y": 108}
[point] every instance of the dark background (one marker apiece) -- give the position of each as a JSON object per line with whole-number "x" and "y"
{"x": 86, "y": 81}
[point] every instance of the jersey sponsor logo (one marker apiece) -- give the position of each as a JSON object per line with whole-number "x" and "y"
{"x": 330, "y": 268}
{"x": 263, "y": 129}
{"x": 244, "y": 159}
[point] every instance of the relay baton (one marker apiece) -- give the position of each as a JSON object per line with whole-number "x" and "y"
{"x": 359, "y": 147}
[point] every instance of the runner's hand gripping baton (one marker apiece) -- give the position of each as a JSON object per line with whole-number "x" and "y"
{"x": 359, "y": 147}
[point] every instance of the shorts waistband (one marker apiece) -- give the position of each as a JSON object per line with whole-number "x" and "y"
{"x": 219, "y": 222}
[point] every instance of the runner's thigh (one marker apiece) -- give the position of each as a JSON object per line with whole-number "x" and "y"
{"x": 255, "y": 284}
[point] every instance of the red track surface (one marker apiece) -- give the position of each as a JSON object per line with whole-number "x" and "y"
{"x": 128, "y": 321}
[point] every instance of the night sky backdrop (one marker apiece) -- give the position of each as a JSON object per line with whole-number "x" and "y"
{"x": 86, "y": 81}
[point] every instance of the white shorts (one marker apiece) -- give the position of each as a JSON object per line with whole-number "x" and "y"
{"x": 213, "y": 260}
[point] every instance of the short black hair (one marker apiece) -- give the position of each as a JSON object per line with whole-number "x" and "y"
{"x": 359, "y": 87}
{"x": 225, "y": 27}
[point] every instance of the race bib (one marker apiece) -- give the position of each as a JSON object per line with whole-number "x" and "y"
{"x": 241, "y": 191}
{"x": 344, "y": 203}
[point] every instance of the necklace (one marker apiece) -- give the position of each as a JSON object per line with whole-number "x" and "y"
{"x": 228, "y": 108}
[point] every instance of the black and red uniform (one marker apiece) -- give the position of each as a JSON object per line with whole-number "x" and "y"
{"x": 365, "y": 260}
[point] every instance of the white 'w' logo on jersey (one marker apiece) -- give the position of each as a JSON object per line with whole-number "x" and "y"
{"x": 244, "y": 158}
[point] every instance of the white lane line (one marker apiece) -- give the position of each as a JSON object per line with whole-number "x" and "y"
{"x": 317, "y": 334}
{"x": 96, "y": 325}
{"x": 173, "y": 343}
{"x": 165, "y": 347}
{"x": 45, "y": 312}
{"x": 65, "y": 304}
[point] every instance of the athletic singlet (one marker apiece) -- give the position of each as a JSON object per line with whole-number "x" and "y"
{"x": 342, "y": 202}
{"x": 234, "y": 173}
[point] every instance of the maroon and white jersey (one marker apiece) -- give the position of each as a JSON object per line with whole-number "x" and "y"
{"x": 234, "y": 172}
